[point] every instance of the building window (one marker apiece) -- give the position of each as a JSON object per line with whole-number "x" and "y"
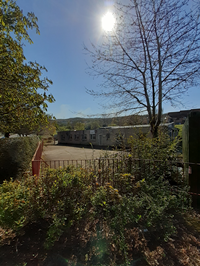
{"x": 92, "y": 136}
{"x": 107, "y": 136}
{"x": 76, "y": 137}
{"x": 84, "y": 137}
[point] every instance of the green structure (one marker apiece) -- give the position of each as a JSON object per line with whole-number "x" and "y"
{"x": 191, "y": 154}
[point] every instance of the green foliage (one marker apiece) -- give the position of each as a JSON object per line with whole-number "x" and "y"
{"x": 180, "y": 128}
{"x": 61, "y": 128}
{"x": 71, "y": 196}
{"x": 21, "y": 105}
{"x": 147, "y": 203}
{"x": 92, "y": 125}
{"x": 16, "y": 155}
{"x": 46, "y": 130}
{"x": 79, "y": 126}
{"x": 159, "y": 155}
{"x": 61, "y": 197}
{"x": 14, "y": 204}
{"x": 160, "y": 148}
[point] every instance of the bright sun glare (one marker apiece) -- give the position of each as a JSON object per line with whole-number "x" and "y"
{"x": 108, "y": 22}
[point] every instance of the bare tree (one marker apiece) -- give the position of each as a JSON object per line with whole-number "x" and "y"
{"x": 152, "y": 56}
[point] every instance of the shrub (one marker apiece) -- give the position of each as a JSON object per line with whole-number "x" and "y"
{"x": 158, "y": 156}
{"x": 150, "y": 205}
{"x": 14, "y": 204}
{"x": 70, "y": 196}
{"x": 16, "y": 155}
{"x": 160, "y": 148}
{"x": 60, "y": 197}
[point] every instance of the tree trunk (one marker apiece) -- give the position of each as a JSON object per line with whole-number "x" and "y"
{"x": 154, "y": 130}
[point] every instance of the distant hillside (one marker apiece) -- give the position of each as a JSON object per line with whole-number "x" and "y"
{"x": 105, "y": 121}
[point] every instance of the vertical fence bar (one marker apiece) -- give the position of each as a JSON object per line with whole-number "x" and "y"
{"x": 105, "y": 169}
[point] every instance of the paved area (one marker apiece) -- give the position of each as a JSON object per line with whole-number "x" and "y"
{"x": 61, "y": 152}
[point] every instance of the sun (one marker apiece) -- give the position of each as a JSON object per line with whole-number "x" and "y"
{"x": 108, "y": 21}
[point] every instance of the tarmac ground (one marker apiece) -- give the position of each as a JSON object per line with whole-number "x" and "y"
{"x": 62, "y": 152}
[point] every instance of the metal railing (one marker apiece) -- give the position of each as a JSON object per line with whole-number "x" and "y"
{"x": 105, "y": 170}
{"x": 134, "y": 166}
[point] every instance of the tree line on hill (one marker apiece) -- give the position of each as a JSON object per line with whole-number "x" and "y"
{"x": 79, "y": 123}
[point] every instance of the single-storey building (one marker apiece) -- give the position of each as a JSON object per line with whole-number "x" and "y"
{"x": 109, "y": 136}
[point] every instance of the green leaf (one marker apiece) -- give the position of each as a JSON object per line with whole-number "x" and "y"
{"x": 21, "y": 105}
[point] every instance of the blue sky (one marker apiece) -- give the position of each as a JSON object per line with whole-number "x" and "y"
{"x": 65, "y": 25}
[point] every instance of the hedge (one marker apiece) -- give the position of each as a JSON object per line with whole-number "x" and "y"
{"x": 16, "y": 155}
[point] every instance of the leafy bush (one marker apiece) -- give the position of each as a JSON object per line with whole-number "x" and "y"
{"x": 71, "y": 196}
{"x": 149, "y": 203}
{"x": 14, "y": 204}
{"x": 16, "y": 155}
{"x": 160, "y": 148}
{"x": 60, "y": 197}
{"x": 158, "y": 156}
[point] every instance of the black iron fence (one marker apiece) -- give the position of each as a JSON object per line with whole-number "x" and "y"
{"x": 174, "y": 171}
{"x": 105, "y": 170}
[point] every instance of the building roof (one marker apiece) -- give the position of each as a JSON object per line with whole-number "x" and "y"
{"x": 136, "y": 126}
{"x": 182, "y": 113}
